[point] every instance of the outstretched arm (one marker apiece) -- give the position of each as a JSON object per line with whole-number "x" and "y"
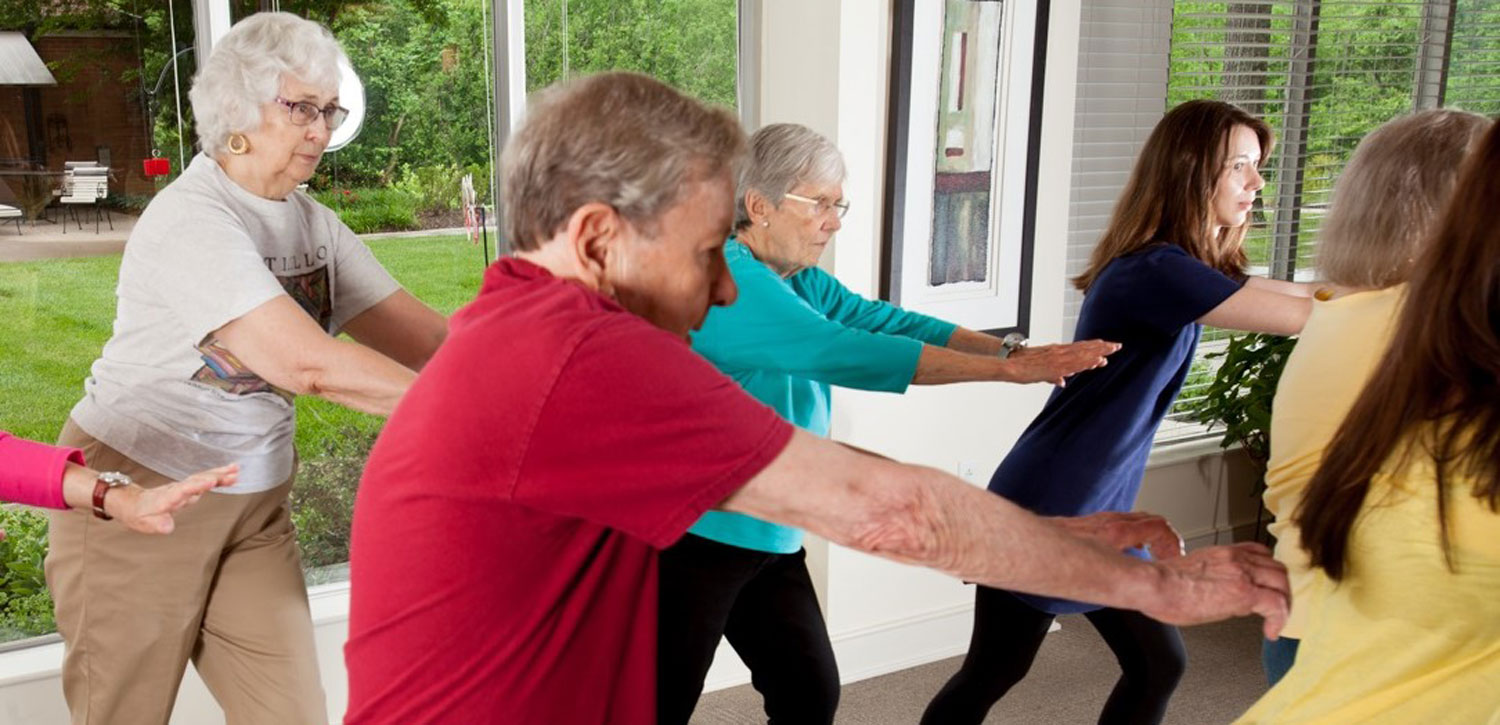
{"x": 923, "y": 516}
{"x": 1044, "y": 364}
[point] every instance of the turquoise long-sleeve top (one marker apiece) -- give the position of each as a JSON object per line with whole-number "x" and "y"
{"x": 786, "y": 341}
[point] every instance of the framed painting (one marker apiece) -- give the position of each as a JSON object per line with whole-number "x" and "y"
{"x": 963, "y": 132}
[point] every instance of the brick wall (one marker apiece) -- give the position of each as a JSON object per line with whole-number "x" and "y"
{"x": 89, "y": 108}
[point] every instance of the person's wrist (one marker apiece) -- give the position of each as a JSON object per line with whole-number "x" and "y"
{"x": 122, "y": 501}
{"x": 1152, "y": 588}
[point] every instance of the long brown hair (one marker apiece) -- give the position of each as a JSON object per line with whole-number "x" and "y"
{"x": 1169, "y": 197}
{"x": 1437, "y": 390}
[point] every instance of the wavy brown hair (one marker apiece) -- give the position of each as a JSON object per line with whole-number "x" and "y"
{"x": 1437, "y": 390}
{"x": 1169, "y": 197}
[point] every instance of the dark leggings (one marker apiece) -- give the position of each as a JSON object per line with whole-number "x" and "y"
{"x": 764, "y": 604}
{"x": 1007, "y": 634}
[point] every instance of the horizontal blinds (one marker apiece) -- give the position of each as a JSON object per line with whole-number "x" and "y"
{"x": 1122, "y": 77}
{"x": 1323, "y": 74}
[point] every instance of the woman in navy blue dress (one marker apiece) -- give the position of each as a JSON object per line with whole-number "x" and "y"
{"x": 1170, "y": 261}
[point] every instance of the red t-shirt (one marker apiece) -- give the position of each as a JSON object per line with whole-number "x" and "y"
{"x": 504, "y": 551}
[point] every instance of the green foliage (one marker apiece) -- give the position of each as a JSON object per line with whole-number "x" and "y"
{"x": 1241, "y": 393}
{"x": 372, "y": 210}
{"x": 323, "y": 496}
{"x": 25, "y": 606}
{"x": 58, "y": 315}
{"x": 436, "y": 188}
{"x": 690, "y": 44}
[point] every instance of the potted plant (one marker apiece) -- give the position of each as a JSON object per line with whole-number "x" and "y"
{"x": 1239, "y": 398}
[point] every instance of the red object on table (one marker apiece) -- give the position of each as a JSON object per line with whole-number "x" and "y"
{"x": 156, "y": 166}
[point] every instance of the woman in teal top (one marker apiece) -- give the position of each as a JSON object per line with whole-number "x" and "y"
{"x": 793, "y": 332}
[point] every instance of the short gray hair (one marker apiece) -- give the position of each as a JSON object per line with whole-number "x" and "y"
{"x": 245, "y": 69}
{"x": 1389, "y": 197}
{"x": 783, "y": 155}
{"x": 622, "y": 139}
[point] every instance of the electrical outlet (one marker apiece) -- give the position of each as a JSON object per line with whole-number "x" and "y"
{"x": 969, "y": 471}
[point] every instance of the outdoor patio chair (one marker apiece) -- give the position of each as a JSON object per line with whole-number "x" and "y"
{"x": 9, "y": 212}
{"x": 85, "y": 183}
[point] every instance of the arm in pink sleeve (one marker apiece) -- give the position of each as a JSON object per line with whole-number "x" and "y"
{"x": 32, "y": 473}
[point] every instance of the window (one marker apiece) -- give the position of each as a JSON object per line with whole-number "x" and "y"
{"x": 426, "y": 71}
{"x": 97, "y": 88}
{"x": 1321, "y": 73}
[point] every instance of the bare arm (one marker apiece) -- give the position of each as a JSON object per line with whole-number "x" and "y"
{"x": 922, "y": 516}
{"x": 146, "y": 510}
{"x": 1292, "y": 289}
{"x": 281, "y": 344}
{"x": 1045, "y": 364}
{"x": 1257, "y": 309}
{"x": 978, "y": 343}
{"x": 402, "y": 328}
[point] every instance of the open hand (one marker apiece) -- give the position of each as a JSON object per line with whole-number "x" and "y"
{"x": 1126, "y": 530}
{"x": 1054, "y": 363}
{"x": 149, "y": 510}
{"x": 1221, "y": 582}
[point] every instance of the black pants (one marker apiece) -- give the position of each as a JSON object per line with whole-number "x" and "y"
{"x": 1007, "y": 634}
{"x": 765, "y": 605}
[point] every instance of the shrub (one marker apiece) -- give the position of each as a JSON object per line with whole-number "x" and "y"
{"x": 436, "y": 188}
{"x": 25, "y": 605}
{"x": 372, "y": 210}
{"x": 323, "y": 497}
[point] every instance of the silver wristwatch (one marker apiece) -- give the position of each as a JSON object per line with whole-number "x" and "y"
{"x": 1010, "y": 344}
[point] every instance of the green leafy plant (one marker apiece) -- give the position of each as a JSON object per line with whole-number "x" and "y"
{"x": 1240, "y": 396}
{"x": 25, "y": 605}
{"x": 436, "y": 188}
{"x": 323, "y": 496}
{"x": 372, "y": 210}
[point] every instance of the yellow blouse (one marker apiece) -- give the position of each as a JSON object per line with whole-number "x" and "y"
{"x": 1403, "y": 639}
{"x": 1336, "y": 354}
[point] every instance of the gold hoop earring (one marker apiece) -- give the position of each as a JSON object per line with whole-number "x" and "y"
{"x": 238, "y": 144}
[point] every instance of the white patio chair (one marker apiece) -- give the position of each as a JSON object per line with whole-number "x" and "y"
{"x": 9, "y": 212}
{"x": 85, "y": 183}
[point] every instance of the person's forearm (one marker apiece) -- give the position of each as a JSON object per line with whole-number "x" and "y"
{"x": 970, "y": 341}
{"x": 357, "y": 377}
{"x": 1295, "y": 289}
{"x": 78, "y": 486}
{"x": 980, "y": 537}
{"x": 942, "y": 365}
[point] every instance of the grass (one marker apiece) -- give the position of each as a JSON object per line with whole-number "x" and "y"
{"x": 58, "y": 314}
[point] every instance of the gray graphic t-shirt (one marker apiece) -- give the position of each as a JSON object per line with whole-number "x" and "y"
{"x": 205, "y": 252}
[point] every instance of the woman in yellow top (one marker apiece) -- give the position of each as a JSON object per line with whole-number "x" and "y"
{"x": 1385, "y": 206}
{"x": 1403, "y": 516}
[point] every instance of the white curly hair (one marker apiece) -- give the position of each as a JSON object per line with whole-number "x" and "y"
{"x": 246, "y": 67}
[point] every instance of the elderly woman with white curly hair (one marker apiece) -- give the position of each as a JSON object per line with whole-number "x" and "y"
{"x": 232, "y": 287}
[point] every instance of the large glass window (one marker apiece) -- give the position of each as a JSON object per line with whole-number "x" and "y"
{"x": 121, "y": 71}
{"x": 89, "y": 92}
{"x": 1322, "y": 73}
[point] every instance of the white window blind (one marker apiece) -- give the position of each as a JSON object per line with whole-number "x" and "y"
{"x": 1322, "y": 73}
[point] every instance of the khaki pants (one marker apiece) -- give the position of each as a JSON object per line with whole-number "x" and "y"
{"x": 224, "y": 590}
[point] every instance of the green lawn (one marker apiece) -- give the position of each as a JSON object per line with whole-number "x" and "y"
{"x": 57, "y": 314}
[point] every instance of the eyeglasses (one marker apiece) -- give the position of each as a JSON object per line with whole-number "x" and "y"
{"x": 303, "y": 113}
{"x": 821, "y": 206}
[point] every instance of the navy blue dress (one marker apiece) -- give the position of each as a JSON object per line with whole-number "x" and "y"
{"x": 1086, "y": 451}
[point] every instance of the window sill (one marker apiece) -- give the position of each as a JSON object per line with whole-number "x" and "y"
{"x": 1174, "y": 453}
{"x": 328, "y": 603}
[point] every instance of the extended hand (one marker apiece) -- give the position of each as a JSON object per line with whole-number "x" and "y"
{"x": 1221, "y": 582}
{"x": 1054, "y": 363}
{"x": 149, "y": 510}
{"x": 1126, "y": 530}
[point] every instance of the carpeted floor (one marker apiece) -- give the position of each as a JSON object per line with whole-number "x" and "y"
{"x": 1068, "y": 683}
